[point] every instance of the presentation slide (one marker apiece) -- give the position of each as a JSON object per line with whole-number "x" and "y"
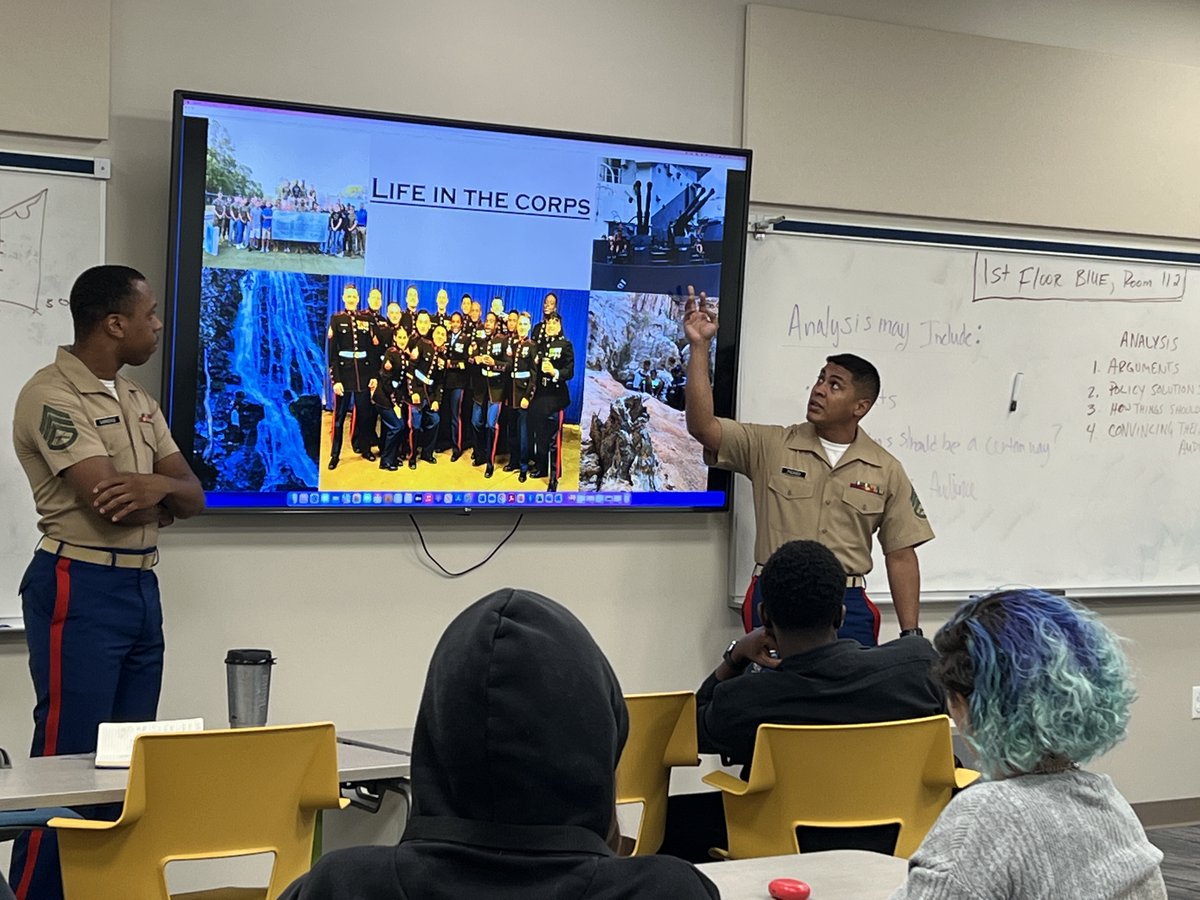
{"x": 402, "y": 312}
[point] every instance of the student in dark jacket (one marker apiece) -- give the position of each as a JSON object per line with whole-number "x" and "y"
{"x": 805, "y": 675}
{"x": 518, "y": 735}
{"x": 814, "y": 677}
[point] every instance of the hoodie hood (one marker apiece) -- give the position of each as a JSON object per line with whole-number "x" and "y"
{"x": 520, "y": 728}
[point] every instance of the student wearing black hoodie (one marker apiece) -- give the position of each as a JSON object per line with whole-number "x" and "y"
{"x": 520, "y": 728}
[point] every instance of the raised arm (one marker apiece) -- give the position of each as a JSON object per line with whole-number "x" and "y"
{"x": 700, "y": 327}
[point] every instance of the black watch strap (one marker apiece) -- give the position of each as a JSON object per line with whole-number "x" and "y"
{"x": 905, "y": 632}
{"x": 729, "y": 660}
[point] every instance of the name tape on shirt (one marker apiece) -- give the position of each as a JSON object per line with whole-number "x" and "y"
{"x": 109, "y": 420}
{"x": 795, "y": 473}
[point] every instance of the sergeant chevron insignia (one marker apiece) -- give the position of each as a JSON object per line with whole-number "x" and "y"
{"x": 916, "y": 504}
{"x": 57, "y": 429}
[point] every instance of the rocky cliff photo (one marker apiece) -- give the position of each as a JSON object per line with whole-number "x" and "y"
{"x": 631, "y": 439}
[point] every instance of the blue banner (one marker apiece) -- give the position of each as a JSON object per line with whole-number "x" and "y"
{"x": 311, "y": 227}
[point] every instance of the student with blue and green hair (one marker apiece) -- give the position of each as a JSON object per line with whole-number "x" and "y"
{"x": 1038, "y": 686}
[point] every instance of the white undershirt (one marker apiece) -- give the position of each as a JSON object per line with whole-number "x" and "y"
{"x": 110, "y": 385}
{"x": 833, "y": 452}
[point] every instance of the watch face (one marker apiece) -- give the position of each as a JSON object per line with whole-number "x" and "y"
{"x": 728, "y": 657}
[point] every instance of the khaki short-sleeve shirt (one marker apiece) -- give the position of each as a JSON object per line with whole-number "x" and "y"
{"x": 64, "y": 415}
{"x": 798, "y": 496}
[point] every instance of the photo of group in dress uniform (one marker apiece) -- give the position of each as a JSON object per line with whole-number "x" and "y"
{"x": 446, "y": 385}
{"x": 344, "y": 384}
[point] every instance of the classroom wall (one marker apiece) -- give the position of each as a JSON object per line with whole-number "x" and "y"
{"x": 350, "y": 607}
{"x": 37, "y": 38}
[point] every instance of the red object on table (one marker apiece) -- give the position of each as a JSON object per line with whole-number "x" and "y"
{"x": 789, "y": 889}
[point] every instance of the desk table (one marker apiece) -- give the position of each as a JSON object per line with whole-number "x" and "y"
{"x": 388, "y": 740}
{"x": 75, "y": 780}
{"x": 832, "y": 874}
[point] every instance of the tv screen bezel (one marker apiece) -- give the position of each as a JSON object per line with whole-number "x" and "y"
{"x": 185, "y": 263}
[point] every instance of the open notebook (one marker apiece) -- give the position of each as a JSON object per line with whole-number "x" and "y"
{"x": 114, "y": 740}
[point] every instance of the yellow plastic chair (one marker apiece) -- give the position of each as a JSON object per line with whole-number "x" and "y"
{"x": 846, "y": 776}
{"x": 662, "y": 734}
{"x": 207, "y": 795}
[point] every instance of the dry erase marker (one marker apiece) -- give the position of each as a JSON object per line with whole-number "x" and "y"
{"x": 1016, "y": 389}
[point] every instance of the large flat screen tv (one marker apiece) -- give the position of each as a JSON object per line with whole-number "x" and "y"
{"x": 370, "y": 311}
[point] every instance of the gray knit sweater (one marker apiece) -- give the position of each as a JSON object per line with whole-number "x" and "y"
{"x": 1069, "y": 836}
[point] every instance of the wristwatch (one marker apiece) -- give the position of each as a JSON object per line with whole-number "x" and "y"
{"x": 729, "y": 660}
{"x": 905, "y": 632}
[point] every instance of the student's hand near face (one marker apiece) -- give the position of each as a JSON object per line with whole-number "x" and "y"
{"x": 756, "y": 647}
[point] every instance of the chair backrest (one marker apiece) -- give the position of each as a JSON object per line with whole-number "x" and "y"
{"x": 881, "y": 773}
{"x": 662, "y": 734}
{"x": 204, "y": 795}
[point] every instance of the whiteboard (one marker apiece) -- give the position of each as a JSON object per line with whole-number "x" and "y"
{"x": 51, "y": 229}
{"x": 1090, "y": 484}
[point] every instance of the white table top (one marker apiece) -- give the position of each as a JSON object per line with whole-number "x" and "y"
{"x": 392, "y": 740}
{"x": 832, "y": 875}
{"x": 74, "y": 780}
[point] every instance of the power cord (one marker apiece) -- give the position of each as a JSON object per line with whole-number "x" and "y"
{"x": 483, "y": 561}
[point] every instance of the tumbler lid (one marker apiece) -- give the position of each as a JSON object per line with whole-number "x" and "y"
{"x": 250, "y": 658}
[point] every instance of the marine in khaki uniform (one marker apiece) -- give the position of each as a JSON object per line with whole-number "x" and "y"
{"x": 822, "y": 480}
{"x": 105, "y": 476}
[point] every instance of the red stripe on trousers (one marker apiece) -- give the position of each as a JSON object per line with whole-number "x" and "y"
{"x": 495, "y": 434}
{"x": 458, "y": 435}
{"x": 748, "y": 606}
{"x": 62, "y": 597}
{"x": 558, "y": 447}
{"x": 31, "y": 855}
{"x": 874, "y": 611}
